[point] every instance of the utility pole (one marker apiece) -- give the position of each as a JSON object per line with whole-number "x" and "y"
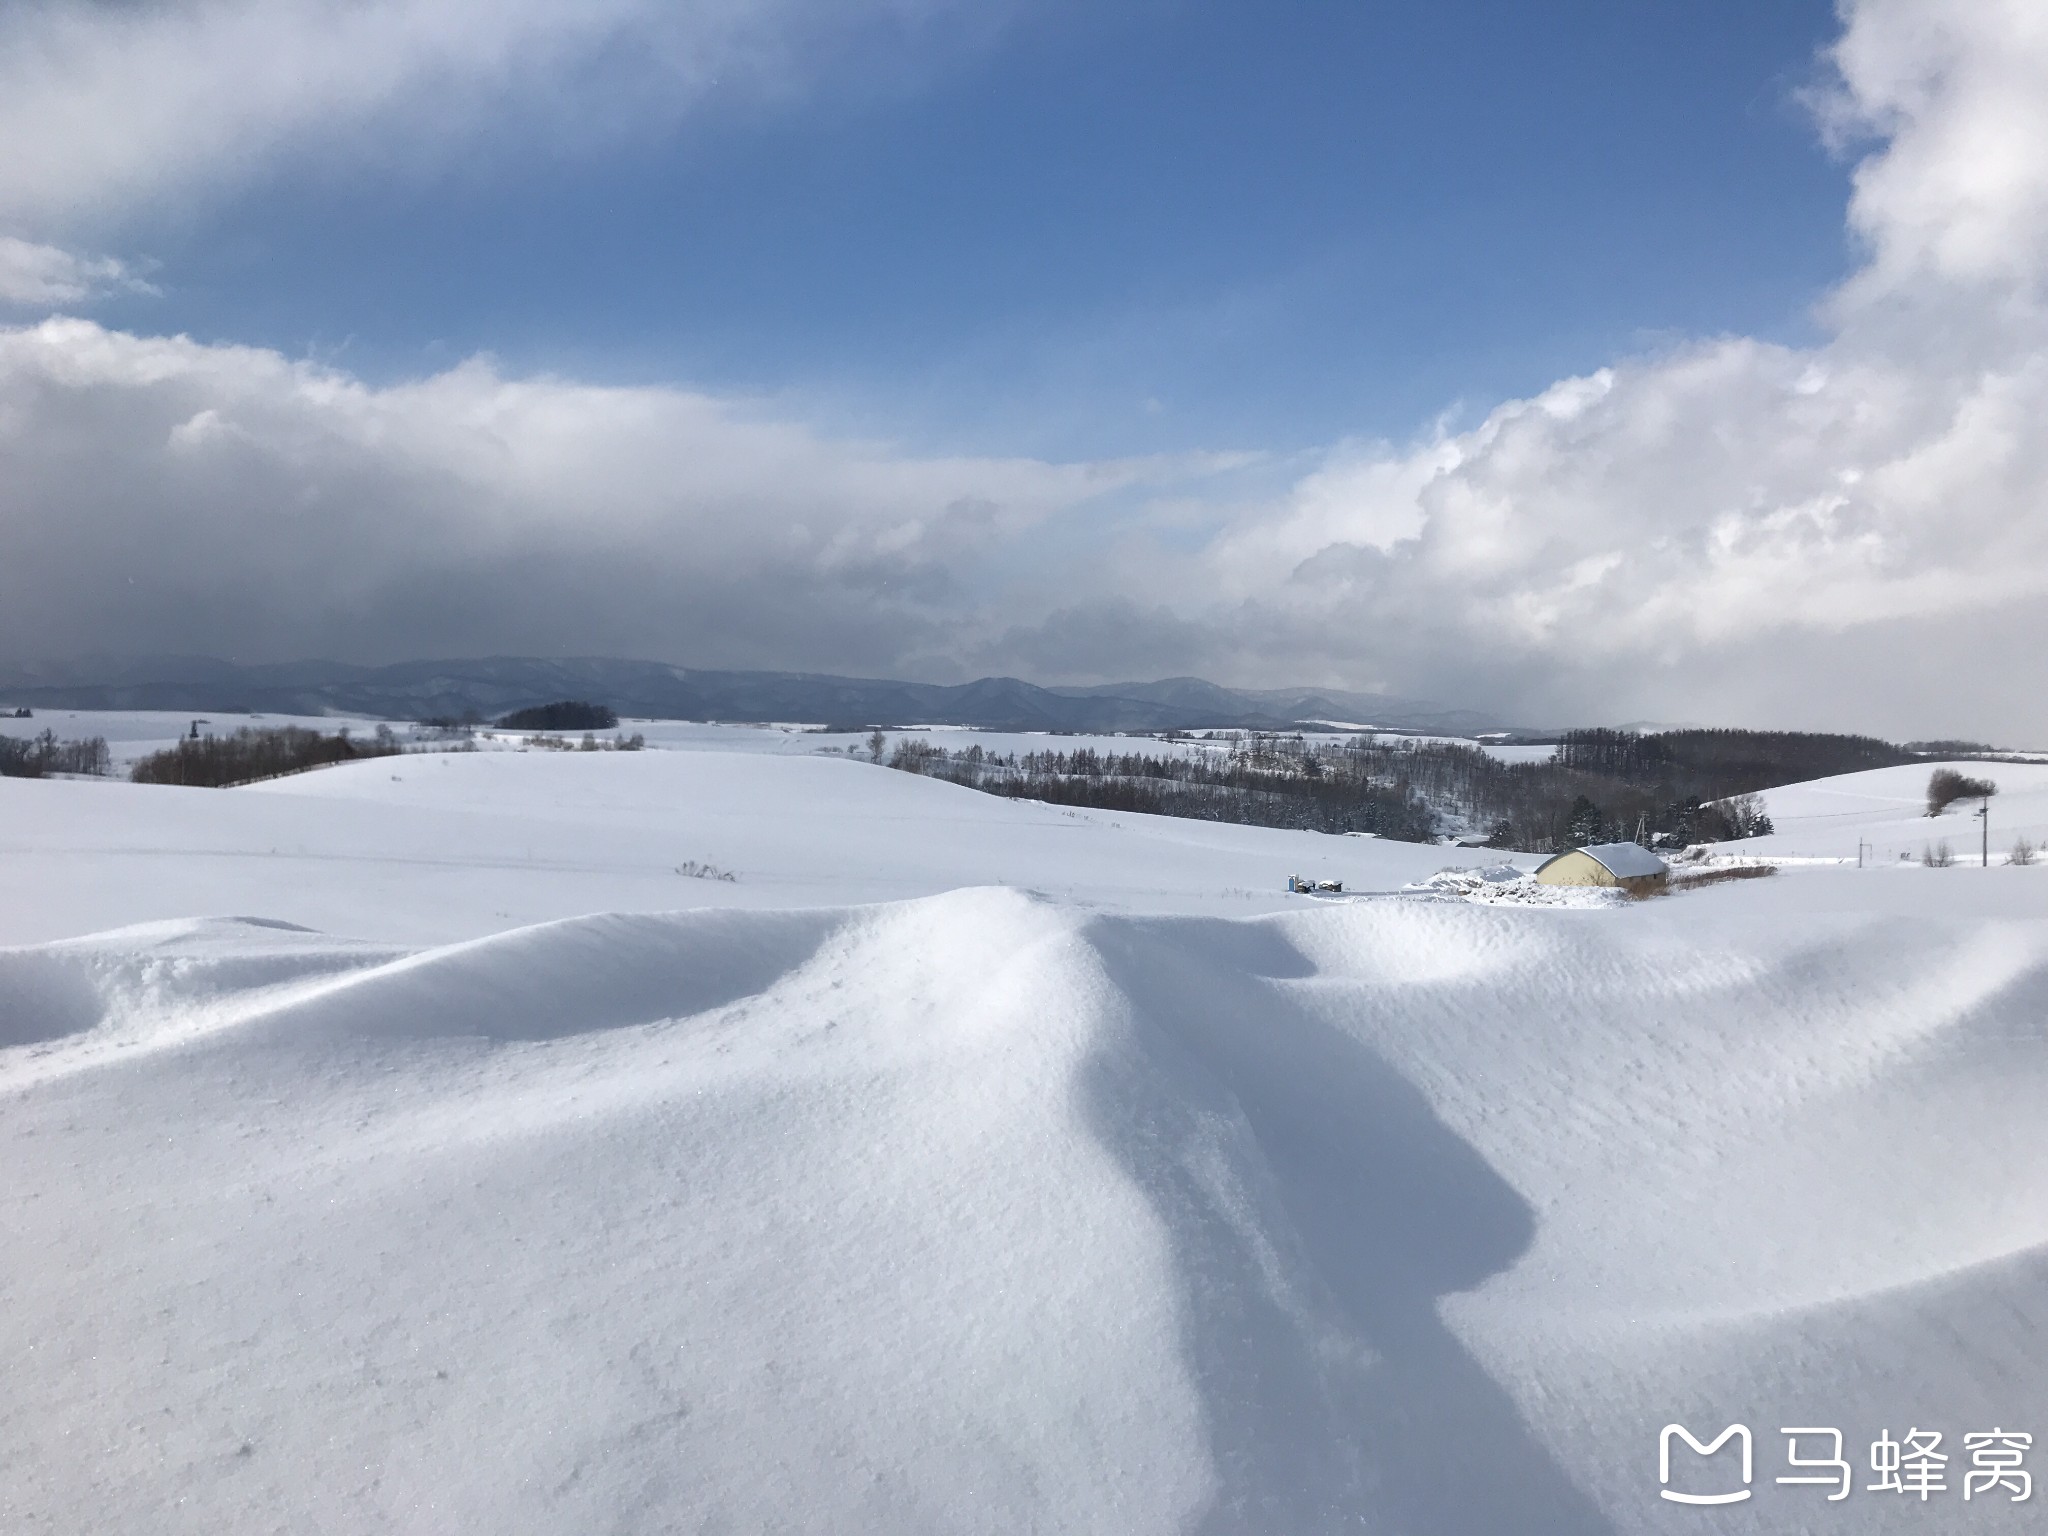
{"x": 1984, "y": 813}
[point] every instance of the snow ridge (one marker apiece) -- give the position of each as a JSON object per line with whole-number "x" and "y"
{"x": 988, "y": 1212}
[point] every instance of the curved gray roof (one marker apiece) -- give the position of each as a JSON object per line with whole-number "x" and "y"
{"x": 1624, "y": 861}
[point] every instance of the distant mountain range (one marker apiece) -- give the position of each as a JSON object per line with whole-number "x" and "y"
{"x": 419, "y": 690}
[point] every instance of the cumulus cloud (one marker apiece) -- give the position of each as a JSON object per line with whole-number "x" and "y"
{"x": 1734, "y": 527}
{"x": 1853, "y": 534}
{"x": 43, "y": 275}
{"x": 106, "y": 105}
{"x": 163, "y": 494}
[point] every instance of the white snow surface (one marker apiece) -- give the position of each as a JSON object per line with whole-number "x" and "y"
{"x": 1507, "y": 885}
{"x": 968, "y": 1165}
{"x": 1886, "y": 810}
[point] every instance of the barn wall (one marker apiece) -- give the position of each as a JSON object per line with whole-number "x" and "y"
{"x": 1575, "y": 869}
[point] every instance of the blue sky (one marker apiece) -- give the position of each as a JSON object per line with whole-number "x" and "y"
{"x": 1098, "y": 230}
{"x": 1599, "y": 361}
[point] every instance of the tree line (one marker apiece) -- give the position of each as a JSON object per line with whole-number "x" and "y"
{"x": 39, "y": 756}
{"x": 1599, "y": 786}
{"x": 1233, "y": 787}
{"x": 217, "y": 762}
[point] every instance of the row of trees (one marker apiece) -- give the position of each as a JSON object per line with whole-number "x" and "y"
{"x": 562, "y": 715}
{"x": 1605, "y": 790}
{"x": 1611, "y": 793}
{"x": 591, "y": 743}
{"x": 1259, "y": 789}
{"x": 249, "y": 754}
{"x": 1723, "y": 762}
{"x": 36, "y": 757}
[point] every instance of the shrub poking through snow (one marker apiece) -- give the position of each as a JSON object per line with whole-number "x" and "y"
{"x": 1947, "y": 786}
{"x": 590, "y": 743}
{"x": 1937, "y": 855}
{"x": 1693, "y": 881}
{"x": 697, "y": 870}
{"x": 2022, "y": 852}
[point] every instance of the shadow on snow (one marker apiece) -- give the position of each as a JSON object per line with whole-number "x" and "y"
{"x": 1322, "y": 1210}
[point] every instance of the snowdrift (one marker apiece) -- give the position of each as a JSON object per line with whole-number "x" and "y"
{"x": 985, "y": 1212}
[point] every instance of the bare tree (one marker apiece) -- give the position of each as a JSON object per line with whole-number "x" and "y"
{"x": 1744, "y": 815}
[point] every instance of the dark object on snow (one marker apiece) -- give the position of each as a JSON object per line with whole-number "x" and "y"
{"x": 218, "y": 762}
{"x": 36, "y": 757}
{"x": 564, "y": 715}
{"x": 1946, "y": 786}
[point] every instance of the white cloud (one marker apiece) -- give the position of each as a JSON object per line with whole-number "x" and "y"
{"x": 1731, "y": 527}
{"x": 1853, "y": 534}
{"x": 107, "y": 105}
{"x": 43, "y": 275}
{"x": 163, "y": 494}
{"x": 1959, "y": 194}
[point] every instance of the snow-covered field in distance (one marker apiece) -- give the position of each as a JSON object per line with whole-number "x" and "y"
{"x": 1885, "y": 809}
{"x": 1517, "y": 752}
{"x": 437, "y": 1157}
{"x": 132, "y": 734}
{"x": 135, "y": 733}
{"x": 430, "y": 847}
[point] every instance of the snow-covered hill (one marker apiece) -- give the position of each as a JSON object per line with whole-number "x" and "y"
{"x": 1033, "y": 1194}
{"x": 430, "y": 847}
{"x": 1885, "y": 809}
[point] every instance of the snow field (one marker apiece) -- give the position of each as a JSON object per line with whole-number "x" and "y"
{"x": 433, "y": 847}
{"x": 1886, "y": 810}
{"x": 133, "y": 734}
{"x": 1099, "y": 1208}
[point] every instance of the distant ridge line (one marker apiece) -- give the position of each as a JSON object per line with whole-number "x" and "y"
{"x": 491, "y": 686}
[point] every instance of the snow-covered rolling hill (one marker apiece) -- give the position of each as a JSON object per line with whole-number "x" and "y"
{"x": 1885, "y": 810}
{"x": 436, "y": 1157}
{"x": 436, "y": 846}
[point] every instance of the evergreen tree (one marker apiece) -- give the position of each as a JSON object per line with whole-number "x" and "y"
{"x": 1586, "y": 824}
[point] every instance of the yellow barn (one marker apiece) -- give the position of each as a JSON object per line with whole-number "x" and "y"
{"x": 1629, "y": 865}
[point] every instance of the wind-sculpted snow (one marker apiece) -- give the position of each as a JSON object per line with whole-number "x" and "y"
{"x": 984, "y": 1212}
